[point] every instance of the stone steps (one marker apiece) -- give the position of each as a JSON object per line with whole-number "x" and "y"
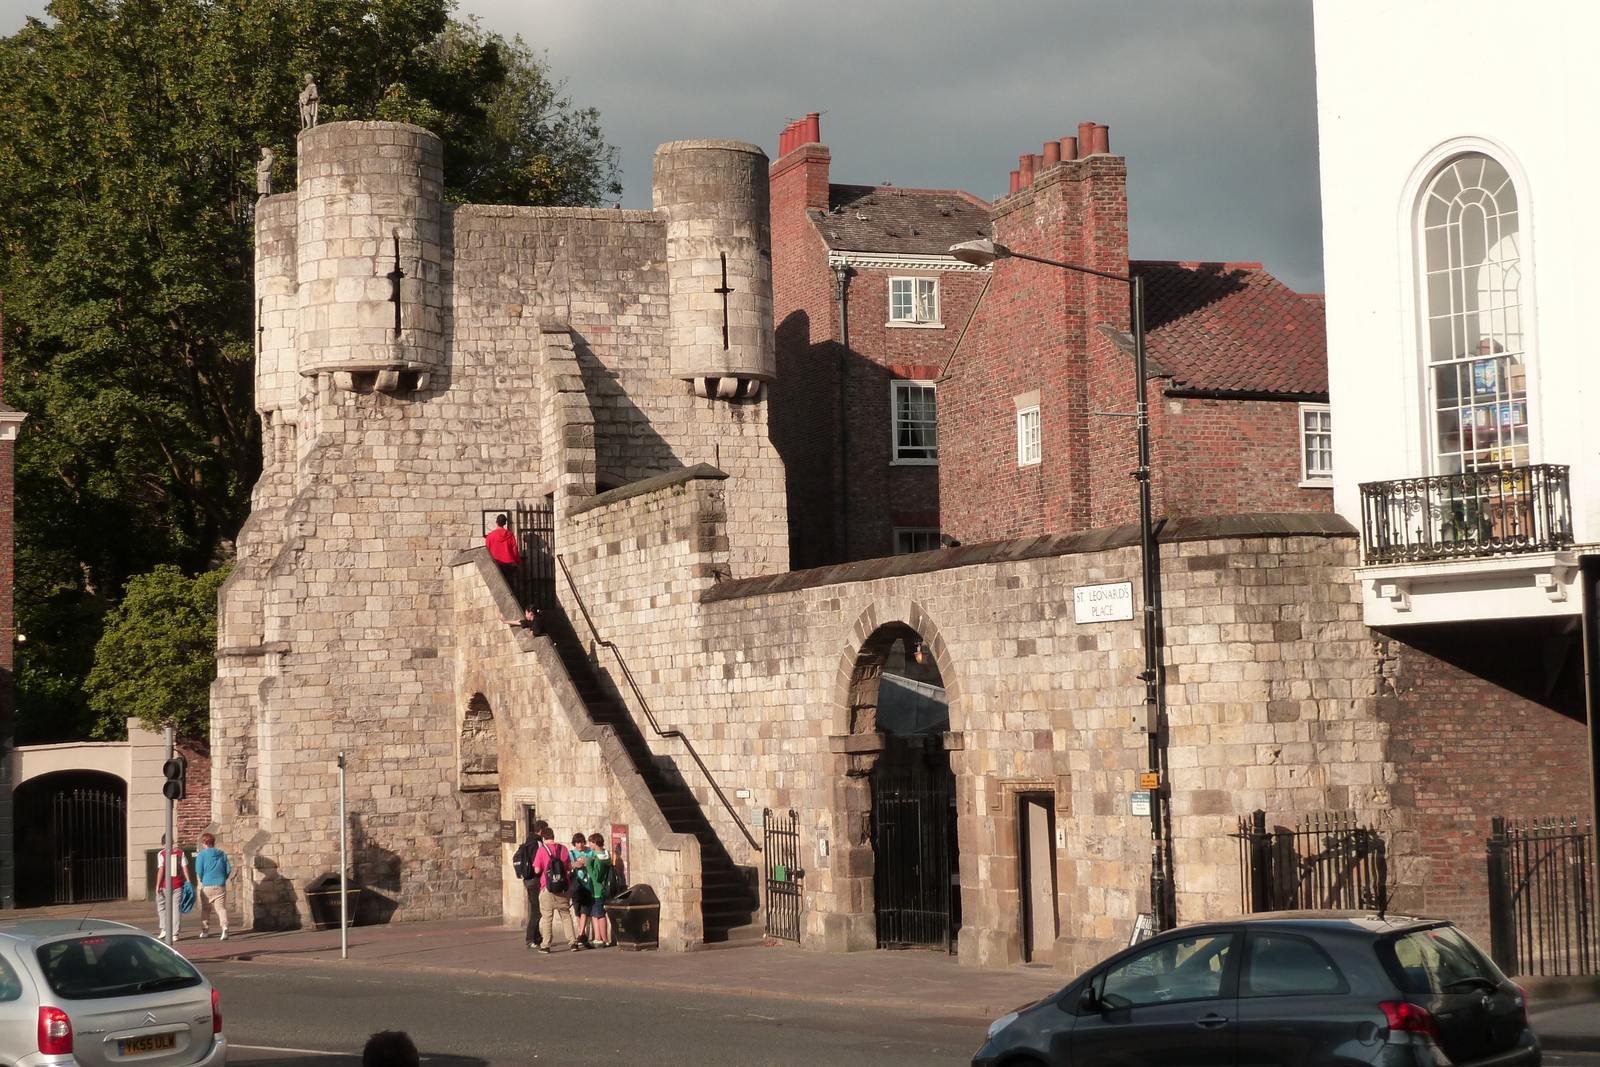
{"x": 728, "y": 902}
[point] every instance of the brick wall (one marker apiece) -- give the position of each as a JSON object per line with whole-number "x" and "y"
{"x": 812, "y": 424}
{"x": 193, "y": 815}
{"x": 1037, "y": 333}
{"x": 1228, "y": 457}
{"x": 804, "y": 399}
{"x": 1466, "y": 749}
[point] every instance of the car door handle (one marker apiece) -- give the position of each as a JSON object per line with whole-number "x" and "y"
{"x": 1211, "y": 1020}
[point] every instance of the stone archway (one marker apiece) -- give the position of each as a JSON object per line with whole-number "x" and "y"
{"x": 893, "y": 736}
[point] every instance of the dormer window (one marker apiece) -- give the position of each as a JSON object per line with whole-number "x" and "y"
{"x": 914, "y": 301}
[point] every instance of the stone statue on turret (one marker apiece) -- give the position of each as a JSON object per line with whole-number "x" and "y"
{"x": 308, "y": 104}
{"x": 264, "y": 173}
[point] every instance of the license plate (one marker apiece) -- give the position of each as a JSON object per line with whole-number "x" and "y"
{"x": 134, "y": 1046}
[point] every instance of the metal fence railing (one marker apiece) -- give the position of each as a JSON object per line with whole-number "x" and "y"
{"x": 1456, "y": 516}
{"x": 1326, "y": 862}
{"x": 1542, "y": 896}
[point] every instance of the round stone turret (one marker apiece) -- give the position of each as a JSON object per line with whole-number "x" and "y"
{"x": 370, "y": 198}
{"x": 719, "y": 265}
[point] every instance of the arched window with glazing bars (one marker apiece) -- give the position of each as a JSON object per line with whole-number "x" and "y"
{"x": 1476, "y": 341}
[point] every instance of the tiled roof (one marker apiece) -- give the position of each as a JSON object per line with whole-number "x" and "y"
{"x": 1233, "y": 328}
{"x": 881, "y": 218}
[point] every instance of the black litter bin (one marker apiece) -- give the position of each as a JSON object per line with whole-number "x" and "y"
{"x": 635, "y": 915}
{"x": 322, "y": 897}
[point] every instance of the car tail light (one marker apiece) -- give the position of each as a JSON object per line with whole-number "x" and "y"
{"x": 1522, "y": 1004}
{"x": 216, "y": 1012}
{"x": 55, "y": 1032}
{"x": 1407, "y": 1018}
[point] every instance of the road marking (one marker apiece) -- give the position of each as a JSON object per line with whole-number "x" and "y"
{"x": 296, "y": 1051}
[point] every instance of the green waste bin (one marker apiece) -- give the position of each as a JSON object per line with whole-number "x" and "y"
{"x": 635, "y": 915}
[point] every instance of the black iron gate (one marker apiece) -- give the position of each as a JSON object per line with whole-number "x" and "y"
{"x": 74, "y": 847}
{"x": 780, "y": 848}
{"x": 913, "y": 841}
{"x": 534, "y": 527}
{"x": 1325, "y": 862}
{"x": 1541, "y": 897}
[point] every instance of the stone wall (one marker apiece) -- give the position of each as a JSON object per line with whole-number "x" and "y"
{"x": 1270, "y": 697}
{"x": 335, "y": 629}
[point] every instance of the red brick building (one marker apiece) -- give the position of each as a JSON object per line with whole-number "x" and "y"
{"x": 1034, "y": 408}
{"x": 853, "y": 409}
{"x": 921, "y": 400}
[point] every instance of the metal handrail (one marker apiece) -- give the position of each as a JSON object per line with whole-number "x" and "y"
{"x": 1504, "y": 511}
{"x": 644, "y": 705}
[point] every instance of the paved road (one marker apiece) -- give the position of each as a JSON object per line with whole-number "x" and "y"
{"x": 284, "y": 1016}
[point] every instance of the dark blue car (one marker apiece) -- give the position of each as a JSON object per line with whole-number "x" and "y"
{"x": 1284, "y": 989}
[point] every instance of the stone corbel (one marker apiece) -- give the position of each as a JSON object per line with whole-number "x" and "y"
{"x": 1396, "y": 591}
{"x": 1554, "y": 581}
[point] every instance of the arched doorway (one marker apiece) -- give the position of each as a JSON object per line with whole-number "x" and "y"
{"x": 899, "y": 693}
{"x": 71, "y": 838}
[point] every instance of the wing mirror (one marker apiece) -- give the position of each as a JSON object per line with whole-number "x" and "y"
{"x": 1087, "y": 1001}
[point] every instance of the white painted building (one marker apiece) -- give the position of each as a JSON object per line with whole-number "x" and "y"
{"x": 1458, "y": 173}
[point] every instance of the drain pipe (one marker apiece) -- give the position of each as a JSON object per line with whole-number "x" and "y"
{"x": 841, "y": 273}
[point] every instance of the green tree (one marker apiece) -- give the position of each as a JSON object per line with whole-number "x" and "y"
{"x": 158, "y": 655}
{"x": 129, "y": 133}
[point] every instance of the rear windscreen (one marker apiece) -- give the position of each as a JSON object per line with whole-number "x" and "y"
{"x": 1440, "y": 960}
{"x": 113, "y": 965}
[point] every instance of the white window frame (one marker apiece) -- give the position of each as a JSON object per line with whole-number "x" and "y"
{"x": 1309, "y": 478}
{"x": 924, "y": 312}
{"x": 912, "y": 531}
{"x": 1030, "y": 439}
{"x": 895, "y": 458}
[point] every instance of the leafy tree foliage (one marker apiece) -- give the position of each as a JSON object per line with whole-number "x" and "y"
{"x": 129, "y": 134}
{"x": 157, "y": 657}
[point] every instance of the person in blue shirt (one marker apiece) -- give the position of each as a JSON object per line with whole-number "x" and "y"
{"x": 211, "y": 870}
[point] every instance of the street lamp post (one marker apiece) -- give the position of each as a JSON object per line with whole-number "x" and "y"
{"x": 982, "y": 254}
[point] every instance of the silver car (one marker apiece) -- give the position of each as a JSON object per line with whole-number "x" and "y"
{"x": 100, "y": 993}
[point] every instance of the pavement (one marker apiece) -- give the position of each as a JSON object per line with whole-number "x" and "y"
{"x": 1564, "y": 1012}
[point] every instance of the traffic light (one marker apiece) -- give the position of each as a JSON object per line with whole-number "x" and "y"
{"x": 175, "y": 771}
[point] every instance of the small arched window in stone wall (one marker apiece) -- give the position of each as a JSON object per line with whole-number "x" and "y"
{"x": 480, "y": 747}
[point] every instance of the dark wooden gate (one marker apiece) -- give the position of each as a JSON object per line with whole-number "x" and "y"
{"x": 780, "y": 851}
{"x": 913, "y": 841}
{"x": 1541, "y": 897}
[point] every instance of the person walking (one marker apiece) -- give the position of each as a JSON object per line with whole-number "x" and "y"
{"x": 522, "y": 865}
{"x": 599, "y": 889}
{"x": 503, "y": 549}
{"x": 553, "y": 864}
{"x": 174, "y": 864}
{"x": 212, "y": 870}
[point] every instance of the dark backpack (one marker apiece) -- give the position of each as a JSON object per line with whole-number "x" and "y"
{"x": 555, "y": 871}
{"x": 615, "y": 883}
{"x": 522, "y": 862}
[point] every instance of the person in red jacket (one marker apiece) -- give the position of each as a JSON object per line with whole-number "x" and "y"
{"x": 503, "y": 548}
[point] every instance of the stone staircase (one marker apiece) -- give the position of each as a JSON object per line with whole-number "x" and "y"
{"x": 729, "y": 898}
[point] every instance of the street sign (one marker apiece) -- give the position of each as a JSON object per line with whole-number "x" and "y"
{"x": 1149, "y": 780}
{"x": 1103, "y": 603}
{"x": 1139, "y": 804}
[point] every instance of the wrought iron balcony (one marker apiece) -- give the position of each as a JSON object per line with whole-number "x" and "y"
{"x": 1509, "y": 511}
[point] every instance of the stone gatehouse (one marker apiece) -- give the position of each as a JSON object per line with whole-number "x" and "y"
{"x": 425, "y": 366}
